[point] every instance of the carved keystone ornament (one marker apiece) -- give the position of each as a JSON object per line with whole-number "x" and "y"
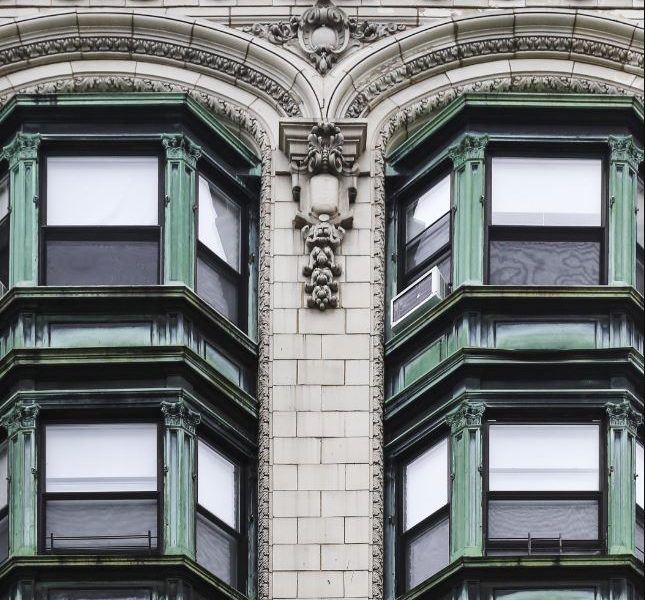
{"x": 323, "y": 33}
{"x": 328, "y": 175}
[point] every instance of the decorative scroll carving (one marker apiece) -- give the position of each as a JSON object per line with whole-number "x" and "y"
{"x": 471, "y": 147}
{"x": 23, "y": 147}
{"x": 469, "y": 414}
{"x": 621, "y": 414}
{"x": 323, "y": 33}
{"x": 21, "y": 417}
{"x": 325, "y": 150}
{"x": 177, "y": 414}
{"x": 179, "y": 147}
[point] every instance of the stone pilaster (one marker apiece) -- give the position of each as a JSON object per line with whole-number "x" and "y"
{"x": 179, "y": 477}
{"x": 623, "y": 188}
{"x": 22, "y": 155}
{"x": 180, "y": 208}
{"x": 465, "y": 473}
{"x": 20, "y": 423}
{"x": 468, "y": 205}
{"x": 621, "y": 483}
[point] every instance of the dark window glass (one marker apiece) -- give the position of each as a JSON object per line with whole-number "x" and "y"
{"x": 4, "y": 234}
{"x": 544, "y": 263}
{"x": 428, "y": 243}
{"x": 216, "y": 550}
{"x": 428, "y": 553}
{"x": 102, "y": 262}
{"x": 4, "y": 536}
{"x": 101, "y": 524}
{"x": 218, "y": 290}
{"x": 640, "y": 542}
{"x": 99, "y": 594}
{"x": 4, "y": 501}
{"x": 640, "y": 236}
{"x": 545, "y": 594}
{"x": 517, "y": 519}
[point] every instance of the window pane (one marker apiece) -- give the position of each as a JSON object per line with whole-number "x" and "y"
{"x": 4, "y": 255}
{"x": 4, "y": 484}
{"x": 216, "y": 550}
{"x": 217, "y": 290}
{"x": 101, "y": 458}
{"x": 102, "y": 262}
{"x": 546, "y": 191}
{"x": 4, "y": 537}
{"x": 102, "y": 190}
{"x": 217, "y": 484}
{"x": 219, "y": 223}
{"x": 516, "y": 519}
{"x": 428, "y": 209}
{"x": 640, "y": 215}
{"x": 99, "y": 594}
{"x": 543, "y": 457}
{"x": 428, "y": 553}
{"x": 123, "y": 524}
{"x": 428, "y": 243}
{"x": 4, "y": 197}
{"x": 640, "y": 475}
{"x": 544, "y": 594}
{"x": 544, "y": 263}
{"x": 639, "y": 540}
{"x": 426, "y": 484}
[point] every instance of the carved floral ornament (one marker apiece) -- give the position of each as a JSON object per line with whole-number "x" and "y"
{"x": 323, "y": 33}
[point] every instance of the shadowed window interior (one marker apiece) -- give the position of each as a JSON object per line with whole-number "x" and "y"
{"x": 640, "y": 236}
{"x": 218, "y": 513}
{"x": 4, "y": 501}
{"x": 546, "y": 222}
{"x": 544, "y": 487}
{"x": 639, "y": 471}
{"x": 219, "y": 250}
{"x": 426, "y": 523}
{"x": 101, "y": 490}
{"x": 4, "y": 233}
{"x": 102, "y": 220}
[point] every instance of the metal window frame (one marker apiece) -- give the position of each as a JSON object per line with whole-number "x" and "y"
{"x": 243, "y": 561}
{"x": 569, "y": 546}
{"x": 44, "y": 496}
{"x": 110, "y": 148}
{"x": 404, "y": 536}
{"x": 547, "y": 149}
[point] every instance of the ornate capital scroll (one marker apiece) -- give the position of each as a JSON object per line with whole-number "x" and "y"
{"x": 324, "y": 178}
{"x": 180, "y": 147}
{"x": 623, "y": 149}
{"x": 23, "y": 147}
{"x": 22, "y": 417}
{"x": 469, "y": 414}
{"x": 471, "y": 147}
{"x": 177, "y": 414}
{"x": 323, "y": 33}
{"x": 621, "y": 414}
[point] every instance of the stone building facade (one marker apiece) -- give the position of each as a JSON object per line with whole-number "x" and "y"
{"x": 358, "y": 429}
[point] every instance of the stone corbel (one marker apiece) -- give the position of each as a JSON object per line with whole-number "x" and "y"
{"x": 324, "y": 175}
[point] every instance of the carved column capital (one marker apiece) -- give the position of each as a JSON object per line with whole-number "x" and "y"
{"x": 22, "y": 417}
{"x": 178, "y": 415}
{"x": 623, "y": 149}
{"x": 622, "y": 415}
{"x": 471, "y": 147}
{"x": 180, "y": 147}
{"x": 469, "y": 414}
{"x": 24, "y": 146}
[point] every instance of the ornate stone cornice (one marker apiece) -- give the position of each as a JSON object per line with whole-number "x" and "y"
{"x": 179, "y": 147}
{"x": 621, "y": 414}
{"x": 623, "y": 149}
{"x": 178, "y": 415}
{"x": 24, "y": 146}
{"x": 323, "y": 33}
{"x": 471, "y": 147}
{"x": 22, "y": 417}
{"x": 469, "y": 414}
{"x": 567, "y": 46}
{"x": 135, "y": 46}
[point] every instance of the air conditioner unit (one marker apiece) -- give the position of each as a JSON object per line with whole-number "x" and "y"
{"x": 429, "y": 289}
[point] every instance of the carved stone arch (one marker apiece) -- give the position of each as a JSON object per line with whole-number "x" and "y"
{"x": 201, "y": 48}
{"x": 254, "y": 127}
{"x": 392, "y": 125}
{"x": 478, "y": 46}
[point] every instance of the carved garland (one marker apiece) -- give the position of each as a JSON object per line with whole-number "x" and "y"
{"x": 253, "y": 78}
{"x": 400, "y": 120}
{"x": 459, "y": 52}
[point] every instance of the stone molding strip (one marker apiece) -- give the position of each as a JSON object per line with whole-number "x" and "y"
{"x": 401, "y": 120}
